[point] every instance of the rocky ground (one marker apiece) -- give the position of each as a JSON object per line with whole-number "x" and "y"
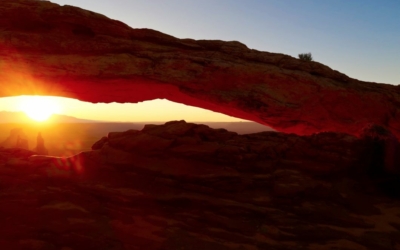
{"x": 187, "y": 186}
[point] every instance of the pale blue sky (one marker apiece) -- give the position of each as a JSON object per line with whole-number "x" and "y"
{"x": 360, "y": 38}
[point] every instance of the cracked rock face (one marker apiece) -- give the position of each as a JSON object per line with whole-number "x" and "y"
{"x": 67, "y": 51}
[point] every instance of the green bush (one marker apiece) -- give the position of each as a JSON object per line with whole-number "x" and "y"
{"x": 305, "y": 57}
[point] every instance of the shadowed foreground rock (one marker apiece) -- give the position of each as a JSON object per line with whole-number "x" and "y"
{"x": 186, "y": 186}
{"x": 67, "y": 51}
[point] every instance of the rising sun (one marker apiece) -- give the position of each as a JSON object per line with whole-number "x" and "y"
{"x": 39, "y": 108}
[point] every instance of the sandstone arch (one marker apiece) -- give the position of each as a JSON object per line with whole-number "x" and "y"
{"x": 66, "y": 51}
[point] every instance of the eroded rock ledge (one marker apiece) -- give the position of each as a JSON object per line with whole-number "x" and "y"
{"x": 187, "y": 186}
{"x": 66, "y": 51}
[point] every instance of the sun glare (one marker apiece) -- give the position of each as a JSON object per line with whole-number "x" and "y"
{"x": 39, "y": 108}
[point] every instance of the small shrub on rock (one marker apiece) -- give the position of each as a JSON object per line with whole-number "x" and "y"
{"x": 305, "y": 57}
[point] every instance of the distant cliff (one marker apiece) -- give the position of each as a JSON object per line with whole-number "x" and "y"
{"x": 21, "y": 117}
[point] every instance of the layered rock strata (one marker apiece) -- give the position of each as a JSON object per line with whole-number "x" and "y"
{"x": 67, "y": 51}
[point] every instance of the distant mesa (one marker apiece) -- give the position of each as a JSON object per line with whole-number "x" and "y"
{"x": 16, "y": 139}
{"x": 21, "y": 117}
{"x": 22, "y": 143}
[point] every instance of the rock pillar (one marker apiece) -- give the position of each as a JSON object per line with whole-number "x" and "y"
{"x": 40, "y": 148}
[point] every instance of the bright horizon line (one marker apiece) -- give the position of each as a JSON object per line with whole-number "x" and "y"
{"x": 113, "y": 121}
{"x": 157, "y": 110}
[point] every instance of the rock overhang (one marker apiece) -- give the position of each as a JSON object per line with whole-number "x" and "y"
{"x": 66, "y": 51}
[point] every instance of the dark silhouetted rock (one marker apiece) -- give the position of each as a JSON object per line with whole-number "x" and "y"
{"x": 384, "y": 149}
{"x": 81, "y": 54}
{"x": 322, "y": 153}
{"x": 22, "y": 143}
{"x": 201, "y": 188}
{"x": 40, "y": 147}
{"x": 100, "y": 144}
{"x": 16, "y": 139}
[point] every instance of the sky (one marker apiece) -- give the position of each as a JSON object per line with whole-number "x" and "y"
{"x": 359, "y": 38}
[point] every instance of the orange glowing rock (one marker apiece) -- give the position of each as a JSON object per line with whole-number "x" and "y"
{"x": 66, "y": 51}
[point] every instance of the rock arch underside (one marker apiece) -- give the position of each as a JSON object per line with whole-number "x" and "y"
{"x": 67, "y": 51}
{"x": 332, "y": 182}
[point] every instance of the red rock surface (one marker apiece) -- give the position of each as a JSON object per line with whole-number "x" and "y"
{"x": 200, "y": 188}
{"x": 66, "y": 51}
